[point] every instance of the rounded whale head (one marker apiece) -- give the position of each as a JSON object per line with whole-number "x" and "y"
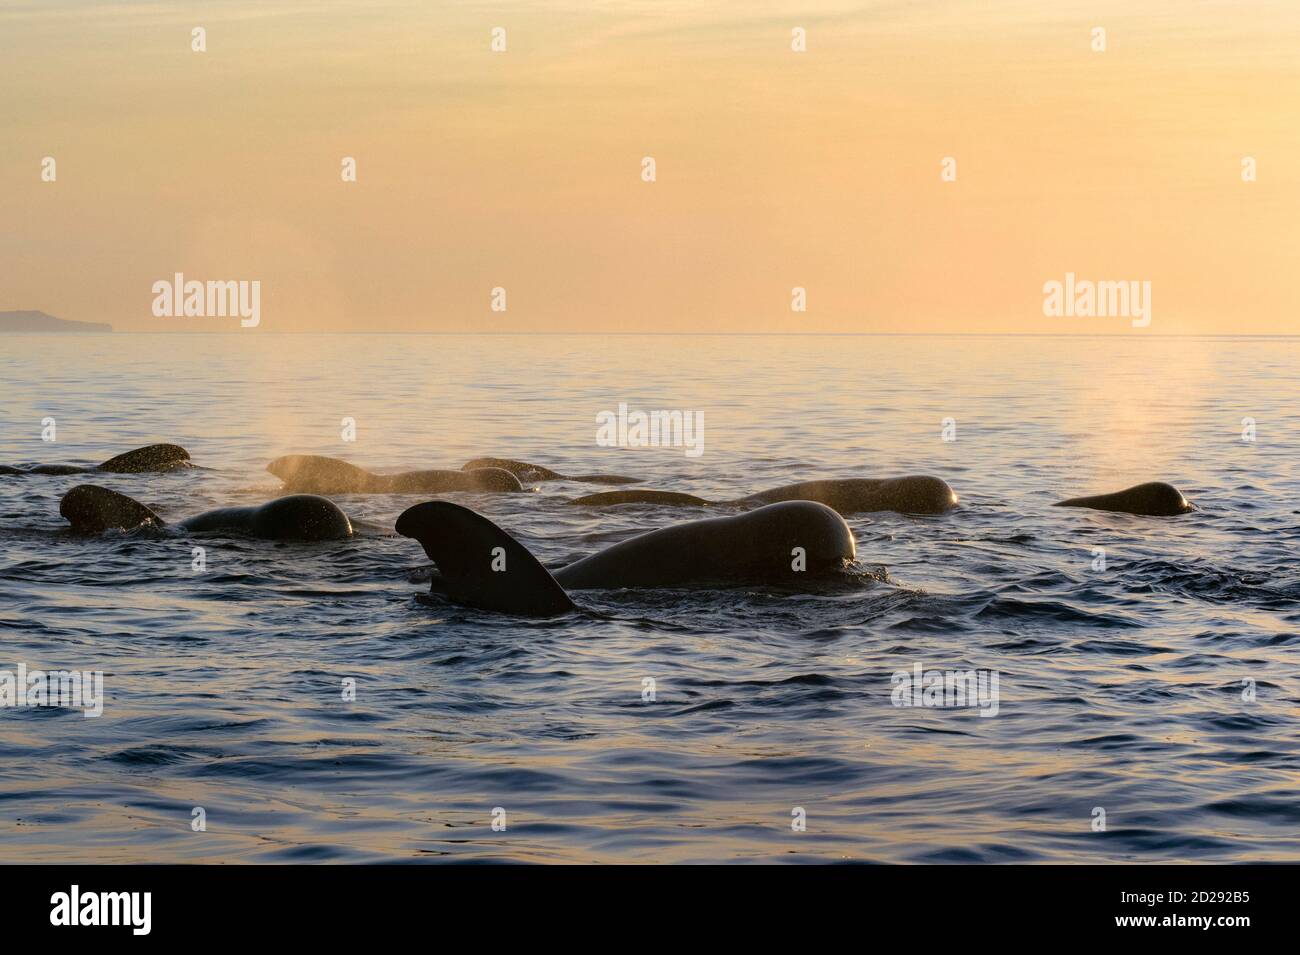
{"x": 1152, "y": 499}
{"x": 153, "y": 457}
{"x": 764, "y": 540}
{"x": 300, "y": 517}
{"x": 918, "y": 494}
{"x": 92, "y": 509}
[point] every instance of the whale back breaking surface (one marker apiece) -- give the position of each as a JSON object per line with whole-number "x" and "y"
{"x": 153, "y": 457}
{"x": 441, "y": 480}
{"x": 1152, "y": 499}
{"x": 524, "y": 472}
{"x": 300, "y": 517}
{"x": 481, "y": 565}
{"x": 913, "y": 494}
{"x": 92, "y": 509}
{"x": 603, "y": 479}
{"x": 304, "y": 517}
{"x": 494, "y": 479}
{"x": 317, "y": 474}
{"x": 606, "y": 498}
{"x": 310, "y": 473}
{"x": 220, "y": 519}
{"x": 533, "y": 473}
{"x": 768, "y": 544}
{"x": 53, "y": 469}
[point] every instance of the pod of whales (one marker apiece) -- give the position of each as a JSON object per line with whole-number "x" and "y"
{"x": 314, "y": 474}
{"x": 153, "y": 457}
{"x": 794, "y": 533}
{"x": 915, "y": 494}
{"x": 91, "y": 509}
{"x": 535, "y": 473}
{"x": 1153, "y": 499}
{"x": 482, "y": 566}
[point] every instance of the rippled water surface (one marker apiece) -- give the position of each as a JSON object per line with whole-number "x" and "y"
{"x": 1120, "y": 689}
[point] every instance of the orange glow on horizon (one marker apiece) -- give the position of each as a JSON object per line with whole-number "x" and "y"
{"x": 775, "y": 169}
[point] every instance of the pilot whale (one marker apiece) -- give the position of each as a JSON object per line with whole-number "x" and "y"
{"x": 315, "y": 474}
{"x": 534, "y": 473}
{"x": 152, "y": 457}
{"x": 482, "y": 566}
{"x": 1153, "y": 499}
{"x": 915, "y": 494}
{"x": 92, "y": 509}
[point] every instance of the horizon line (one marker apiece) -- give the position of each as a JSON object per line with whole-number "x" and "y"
{"x": 1262, "y": 335}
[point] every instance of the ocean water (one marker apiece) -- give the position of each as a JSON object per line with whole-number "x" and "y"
{"x": 1123, "y": 689}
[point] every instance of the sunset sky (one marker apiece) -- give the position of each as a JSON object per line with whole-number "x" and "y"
{"x": 775, "y": 169}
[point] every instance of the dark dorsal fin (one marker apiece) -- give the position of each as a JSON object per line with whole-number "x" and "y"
{"x": 92, "y": 509}
{"x": 464, "y": 546}
{"x": 153, "y": 457}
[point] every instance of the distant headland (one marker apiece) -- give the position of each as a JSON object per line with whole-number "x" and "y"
{"x": 40, "y": 322}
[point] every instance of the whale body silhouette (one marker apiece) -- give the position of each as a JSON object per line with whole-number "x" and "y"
{"x": 152, "y": 457}
{"x": 914, "y": 494}
{"x": 92, "y": 509}
{"x": 482, "y": 566}
{"x": 312, "y": 473}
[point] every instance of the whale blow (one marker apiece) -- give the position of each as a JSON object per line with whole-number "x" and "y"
{"x": 315, "y": 474}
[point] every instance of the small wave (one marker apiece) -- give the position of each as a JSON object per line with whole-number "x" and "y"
{"x": 1195, "y": 580}
{"x": 1003, "y": 608}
